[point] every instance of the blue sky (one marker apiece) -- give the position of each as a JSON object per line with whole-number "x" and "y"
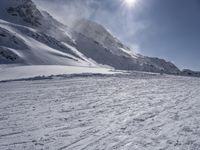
{"x": 168, "y": 29}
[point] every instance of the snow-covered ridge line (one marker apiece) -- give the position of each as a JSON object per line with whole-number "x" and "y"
{"x": 42, "y": 40}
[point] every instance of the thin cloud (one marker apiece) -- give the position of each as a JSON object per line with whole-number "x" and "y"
{"x": 119, "y": 20}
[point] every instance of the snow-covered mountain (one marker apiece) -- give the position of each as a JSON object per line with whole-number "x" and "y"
{"x": 187, "y": 72}
{"x": 29, "y": 36}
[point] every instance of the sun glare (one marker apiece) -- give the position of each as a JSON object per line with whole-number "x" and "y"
{"x": 130, "y": 3}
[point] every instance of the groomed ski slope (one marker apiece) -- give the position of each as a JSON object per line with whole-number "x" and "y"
{"x": 101, "y": 113}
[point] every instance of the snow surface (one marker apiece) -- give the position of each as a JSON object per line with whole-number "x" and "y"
{"x": 24, "y": 72}
{"x": 98, "y": 113}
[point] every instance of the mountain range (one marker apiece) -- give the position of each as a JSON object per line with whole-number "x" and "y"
{"x": 30, "y": 36}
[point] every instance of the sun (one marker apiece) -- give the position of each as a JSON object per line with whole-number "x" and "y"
{"x": 130, "y": 3}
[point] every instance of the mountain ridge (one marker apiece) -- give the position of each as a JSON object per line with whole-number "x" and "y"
{"x": 42, "y": 40}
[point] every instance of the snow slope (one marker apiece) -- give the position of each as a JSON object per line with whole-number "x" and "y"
{"x": 23, "y": 40}
{"x": 25, "y": 72}
{"x": 35, "y": 48}
{"x": 151, "y": 113}
{"x": 29, "y": 36}
{"x": 100, "y": 35}
{"x": 98, "y": 43}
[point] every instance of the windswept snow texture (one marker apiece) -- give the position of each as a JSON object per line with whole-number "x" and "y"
{"x": 98, "y": 113}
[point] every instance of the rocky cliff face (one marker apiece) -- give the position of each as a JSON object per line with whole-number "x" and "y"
{"x": 26, "y": 10}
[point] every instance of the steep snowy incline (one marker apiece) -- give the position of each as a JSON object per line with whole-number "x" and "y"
{"x": 150, "y": 113}
{"x": 33, "y": 48}
{"x": 101, "y": 35}
{"x": 26, "y": 13}
{"x": 31, "y": 37}
{"x": 96, "y": 42}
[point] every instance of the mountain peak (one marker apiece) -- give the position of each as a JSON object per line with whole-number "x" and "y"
{"x": 98, "y": 33}
{"x": 18, "y": 11}
{"x": 30, "y": 36}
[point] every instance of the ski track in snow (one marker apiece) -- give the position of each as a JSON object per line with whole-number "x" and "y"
{"x": 99, "y": 113}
